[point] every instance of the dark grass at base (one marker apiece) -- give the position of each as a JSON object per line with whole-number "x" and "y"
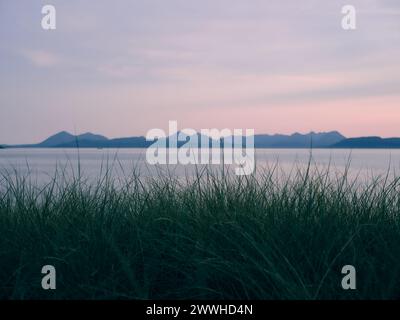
{"x": 208, "y": 237}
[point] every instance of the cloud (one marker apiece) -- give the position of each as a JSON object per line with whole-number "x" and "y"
{"x": 41, "y": 58}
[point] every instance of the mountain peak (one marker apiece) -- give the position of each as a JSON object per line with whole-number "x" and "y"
{"x": 61, "y": 134}
{"x": 64, "y": 137}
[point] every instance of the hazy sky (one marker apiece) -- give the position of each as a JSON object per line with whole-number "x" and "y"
{"x": 120, "y": 68}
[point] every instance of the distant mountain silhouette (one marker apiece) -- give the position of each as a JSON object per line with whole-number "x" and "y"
{"x": 368, "y": 142}
{"x": 65, "y": 138}
{"x": 133, "y": 142}
{"x": 297, "y": 140}
{"x": 331, "y": 139}
{"x": 89, "y": 140}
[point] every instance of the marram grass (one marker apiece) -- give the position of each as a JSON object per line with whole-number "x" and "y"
{"x": 207, "y": 237}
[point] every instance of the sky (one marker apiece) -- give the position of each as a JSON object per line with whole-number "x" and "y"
{"x": 121, "y": 68}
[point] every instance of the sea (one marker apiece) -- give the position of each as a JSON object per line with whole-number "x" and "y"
{"x": 42, "y": 165}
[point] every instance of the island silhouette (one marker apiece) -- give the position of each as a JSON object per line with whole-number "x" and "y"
{"x": 331, "y": 139}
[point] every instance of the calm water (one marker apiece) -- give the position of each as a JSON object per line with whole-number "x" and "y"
{"x": 41, "y": 164}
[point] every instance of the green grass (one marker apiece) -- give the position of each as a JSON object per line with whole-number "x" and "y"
{"x": 208, "y": 237}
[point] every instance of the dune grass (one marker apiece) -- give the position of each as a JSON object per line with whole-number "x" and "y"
{"x": 211, "y": 236}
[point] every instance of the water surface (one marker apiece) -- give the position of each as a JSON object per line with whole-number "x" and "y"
{"x": 41, "y": 164}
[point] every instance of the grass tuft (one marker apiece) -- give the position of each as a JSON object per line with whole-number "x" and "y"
{"x": 207, "y": 236}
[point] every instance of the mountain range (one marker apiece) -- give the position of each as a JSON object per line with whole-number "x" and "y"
{"x": 332, "y": 139}
{"x": 89, "y": 140}
{"x": 369, "y": 142}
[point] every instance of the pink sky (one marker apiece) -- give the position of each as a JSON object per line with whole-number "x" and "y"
{"x": 276, "y": 66}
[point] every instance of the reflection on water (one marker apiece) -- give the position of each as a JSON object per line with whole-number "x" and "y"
{"x": 41, "y": 164}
